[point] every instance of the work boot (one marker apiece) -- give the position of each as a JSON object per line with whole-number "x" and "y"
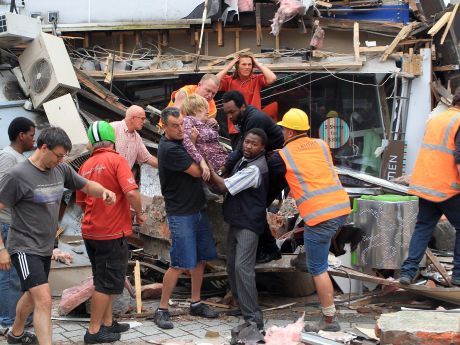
{"x": 25, "y": 338}
{"x": 300, "y": 262}
{"x": 117, "y": 327}
{"x": 327, "y": 323}
{"x": 162, "y": 319}
{"x": 405, "y": 280}
{"x": 203, "y": 310}
{"x": 103, "y": 336}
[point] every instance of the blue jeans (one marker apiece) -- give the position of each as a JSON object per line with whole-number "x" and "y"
{"x": 317, "y": 241}
{"x": 428, "y": 216}
{"x": 10, "y": 289}
{"x": 192, "y": 240}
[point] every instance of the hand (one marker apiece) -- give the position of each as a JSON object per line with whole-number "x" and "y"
{"x": 140, "y": 218}
{"x": 212, "y": 123}
{"x": 233, "y": 62}
{"x": 257, "y": 63}
{"x": 5, "y": 261}
{"x": 194, "y": 135}
{"x": 109, "y": 197}
{"x": 206, "y": 173}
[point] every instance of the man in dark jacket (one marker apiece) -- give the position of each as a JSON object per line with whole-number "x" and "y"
{"x": 247, "y": 117}
{"x": 244, "y": 209}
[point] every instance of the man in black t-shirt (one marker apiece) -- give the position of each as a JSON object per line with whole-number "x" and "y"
{"x": 192, "y": 242}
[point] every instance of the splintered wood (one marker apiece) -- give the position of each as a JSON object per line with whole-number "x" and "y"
{"x": 405, "y": 31}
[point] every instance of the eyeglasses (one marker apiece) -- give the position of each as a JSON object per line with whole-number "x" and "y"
{"x": 60, "y": 156}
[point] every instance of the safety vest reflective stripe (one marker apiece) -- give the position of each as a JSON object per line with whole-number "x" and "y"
{"x": 449, "y": 128}
{"x": 307, "y": 194}
{"x": 325, "y": 210}
{"x": 428, "y": 191}
{"x": 438, "y": 148}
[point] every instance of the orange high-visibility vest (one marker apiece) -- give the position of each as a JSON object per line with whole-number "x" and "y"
{"x": 314, "y": 183}
{"x": 435, "y": 176}
{"x": 189, "y": 90}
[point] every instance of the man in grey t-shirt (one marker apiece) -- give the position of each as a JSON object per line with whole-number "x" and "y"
{"x": 33, "y": 189}
{"x": 21, "y": 132}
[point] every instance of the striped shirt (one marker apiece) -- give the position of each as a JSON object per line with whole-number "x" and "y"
{"x": 130, "y": 145}
{"x": 244, "y": 179}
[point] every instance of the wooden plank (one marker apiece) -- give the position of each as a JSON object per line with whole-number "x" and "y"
{"x": 122, "y": 43}
{"x": 86, "y": 40}
{"x": 378, "y": 49}
{"x": 286, "y": 67}
{"x": 258, "y": 26}
{"x": 405, "y": 31}
{"x": 439, "y": 267}
{"x": 323, "y": 3}
{"x": 449, "y": 23}
{"x": 98, "y": 89}
{"x": 138, "y": 38}
{"x": 237, "y": 40}
{"x": 356, "y": 40}
{"x": 439, "y": 24}
{"x": 108, "y": 69}
{"x": 220, "y": 33}
{"x": 446, "y": 68}
{"x": 353, "y": 274}
{"x": 229, "y": 56}
{"x": 277, "y": 43}
{"x": 137, "y": 284}
{"x": 192, "y": 37}
{"x": 413, "y": 6}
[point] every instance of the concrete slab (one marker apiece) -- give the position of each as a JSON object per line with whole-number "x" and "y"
{"x": 419, "y": 327}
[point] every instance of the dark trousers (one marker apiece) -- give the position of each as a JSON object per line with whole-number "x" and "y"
{"x": 428, "y": 216}
{"x": 241, "y": 260}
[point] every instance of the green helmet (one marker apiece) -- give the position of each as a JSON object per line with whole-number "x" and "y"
{"x": 101, "y": 131}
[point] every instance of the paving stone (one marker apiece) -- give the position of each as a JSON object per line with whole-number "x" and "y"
{"x": 191, "y": 327}
{"x": 156, "y": 338}
{"x": 76, "y": 333}
{"x": 220, "y": 328}
{"x": 210, "y": 323}
{"x": 175, "y": 332}
{"x": 58, "y": 330}
{"x": 131, "y": 335}
{"x": 58, "y": 337}
{"x": 200, "y": 333}
{"x": 71, "y": 326}
{"x": 77, "y": 340}
{"x": 417, "y": 328}
{"x": 148, "y": 330}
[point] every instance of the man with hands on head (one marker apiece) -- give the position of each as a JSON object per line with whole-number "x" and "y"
{"x": 33, "y": 189}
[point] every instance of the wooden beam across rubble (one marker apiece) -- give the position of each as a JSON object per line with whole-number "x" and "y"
{"x": 281, "y": 67}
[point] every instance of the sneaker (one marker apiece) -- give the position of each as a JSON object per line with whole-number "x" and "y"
{"x": 103, "y": 336}
{"x": 405, "y": 280}
{"x": 117, "y": 327}
{"x": 455, "y": 281}
{"x": 203, "y": 310}
{"x": 25, "y": 338}
{"x": 327, "y": 323}
{"x": 162, "y": 319}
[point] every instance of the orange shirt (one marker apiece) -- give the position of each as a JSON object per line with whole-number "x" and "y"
{"x": 102, "y": 222}
{"x": 189, "y": 90}
{"x": 250, "y": 88}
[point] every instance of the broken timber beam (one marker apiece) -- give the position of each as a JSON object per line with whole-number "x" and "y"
{"x": 439, "y": 267}
{"x": 439, "y": 24}
{"x": 356, "y": 40}
{"x": 229, "y": 56}
{"x": 449, "y": 24}
{"x": 405, "y": 31}
{"x": 96, "y": 88}
{"x": 446, "y": 68}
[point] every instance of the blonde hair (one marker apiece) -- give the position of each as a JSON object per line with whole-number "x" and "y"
{"x": 193, "y": 104}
